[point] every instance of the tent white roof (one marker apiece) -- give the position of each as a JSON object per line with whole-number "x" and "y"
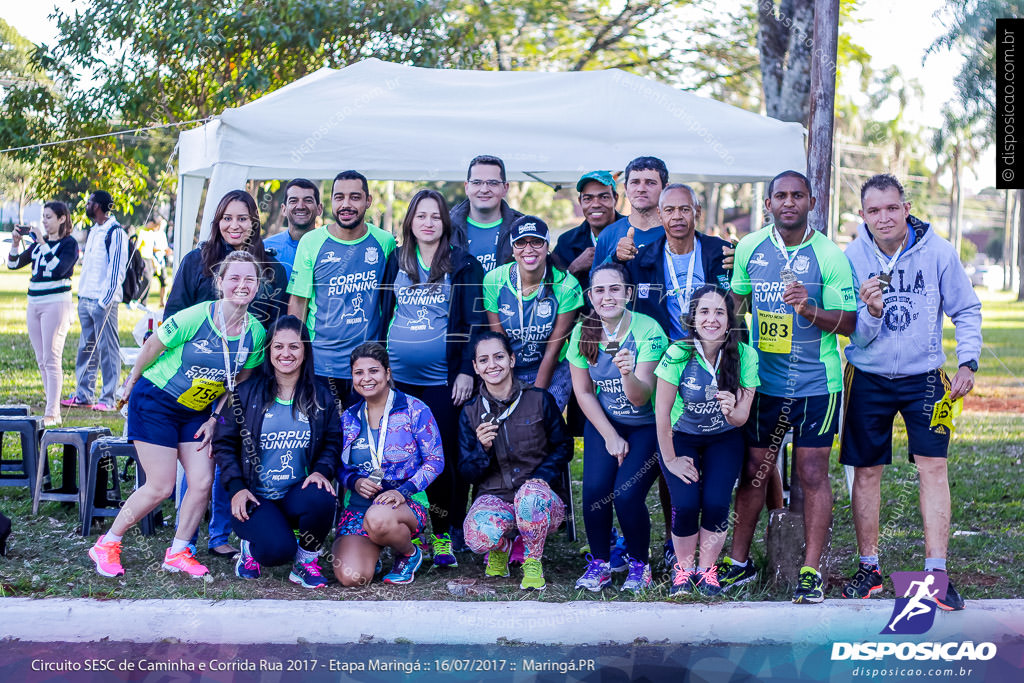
{"x": 391, "y": 121}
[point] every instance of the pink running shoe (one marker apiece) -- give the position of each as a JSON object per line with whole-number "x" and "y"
{"x": 185, "y": 561}
{"x": 518, "y": 553}
{"x": 107, "y": 557}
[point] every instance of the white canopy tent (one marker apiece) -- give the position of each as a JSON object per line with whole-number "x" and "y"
{"x": 395, "y": 122}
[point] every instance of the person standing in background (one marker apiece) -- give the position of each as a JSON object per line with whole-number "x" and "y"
{"x": 99, "y": 294}
{"x": 301, "y": 207}
{"x": 53, "y": 256}
{"x": 481, "y": 223}
{"x": 153, "y": 248}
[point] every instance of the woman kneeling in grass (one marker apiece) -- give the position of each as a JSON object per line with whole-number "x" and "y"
{"x": 391, "y": 452}
{"x": 277, "y": 448}
{"x": 512, "y": 445}
{"x": 705, "y": 387}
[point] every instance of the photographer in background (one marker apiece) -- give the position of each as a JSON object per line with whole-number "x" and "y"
{"x": 53, "y": 253}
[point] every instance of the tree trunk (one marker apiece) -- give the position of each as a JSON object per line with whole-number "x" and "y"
{"x": 1020, "y": 246}
{"x": 784, "y": 41}
{"x": 822, "y": 112}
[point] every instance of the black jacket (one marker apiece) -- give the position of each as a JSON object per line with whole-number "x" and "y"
{"x": 570, "y": 245}
{"x": 460, "y": 213}
{"x": 533, "y": 443}
{"x": 236, "y": 442}
{"x": 192, "y": 286}
{"x": 465, "y": 313}
{"x": 647, "y": 271}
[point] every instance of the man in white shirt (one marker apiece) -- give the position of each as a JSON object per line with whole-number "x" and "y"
{"x": 99, "y": 294}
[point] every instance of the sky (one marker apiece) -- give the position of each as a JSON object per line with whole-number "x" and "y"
{"x": 882, "y": 31}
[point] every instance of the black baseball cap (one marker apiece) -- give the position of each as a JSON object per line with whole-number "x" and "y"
{"x": 529, "y": 226}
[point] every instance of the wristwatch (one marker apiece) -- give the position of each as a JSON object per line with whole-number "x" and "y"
{"x": 971, "y": 365}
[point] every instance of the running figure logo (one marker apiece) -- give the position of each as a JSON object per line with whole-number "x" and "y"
{"x": 914, "y": 613}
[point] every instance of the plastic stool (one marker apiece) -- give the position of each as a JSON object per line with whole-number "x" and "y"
{"x": 108, "y": 449}
{"x": 76, "y": 442}
{"x": 29, "y": 427}
{"x": 570, "y": 510}
{"x": 15, "y": 410}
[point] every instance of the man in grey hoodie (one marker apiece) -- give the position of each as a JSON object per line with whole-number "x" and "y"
{"x": 909, "y": 278}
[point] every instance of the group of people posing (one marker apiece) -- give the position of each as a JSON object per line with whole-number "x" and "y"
{"x": 412, "y": 396}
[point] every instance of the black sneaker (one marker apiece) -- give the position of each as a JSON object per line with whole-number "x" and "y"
{"x": 953, "y": 602}
{"x": 809, "y": 588}
{"x": 731, "y": 575}
{"x": 866, "y": 582}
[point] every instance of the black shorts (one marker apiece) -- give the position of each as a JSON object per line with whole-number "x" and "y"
{"x": 813, "y": 419}
{"x": 872, "y": 402}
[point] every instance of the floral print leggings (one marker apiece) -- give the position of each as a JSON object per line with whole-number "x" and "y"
{"x": 536, "y": 511}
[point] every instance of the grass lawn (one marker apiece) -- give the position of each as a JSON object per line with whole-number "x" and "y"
{"x": 47, "y": 557}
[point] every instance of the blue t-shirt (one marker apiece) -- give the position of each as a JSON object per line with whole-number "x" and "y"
{"x": 679, "y": 302}
{"x": 284, "y": 450}
{"x": 284, "y": 249}
{"x": 609, "y": 238}
{"x": 482, "y": 242}
{"x": 419, "y": 329}
{"x": 342, "y": 280}
{"x": 361, "y": 458}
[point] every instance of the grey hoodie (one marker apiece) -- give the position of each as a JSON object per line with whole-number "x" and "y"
{"x": 928, "y": 282}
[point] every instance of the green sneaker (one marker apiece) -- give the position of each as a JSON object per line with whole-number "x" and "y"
{"x": 533, "y": 575}
{"x": 442, "y": 552}
{"x": 810, "y": 587}
{"x": 497, "y": 563}
{"x": 731, "y": 575}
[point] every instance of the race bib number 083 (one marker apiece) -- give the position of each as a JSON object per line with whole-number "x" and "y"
{"x": 775, "y": 332}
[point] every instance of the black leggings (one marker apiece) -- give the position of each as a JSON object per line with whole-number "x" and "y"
{"x": 607, "y": 484}
{"x": 448, "y": 493}
{"x": 705, "y": 502}
{"x": 269, "y": 529}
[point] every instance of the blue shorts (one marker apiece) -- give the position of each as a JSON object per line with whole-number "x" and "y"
{"x": 155, "y": 417}
{"x": 872, "y": 402}
{"x": 813, "y": 419}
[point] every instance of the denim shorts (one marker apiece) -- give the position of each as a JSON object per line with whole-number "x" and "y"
{"x": 154, "y": 416}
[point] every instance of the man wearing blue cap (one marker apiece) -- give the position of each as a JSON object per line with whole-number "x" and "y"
{"x": 575, "y": 249}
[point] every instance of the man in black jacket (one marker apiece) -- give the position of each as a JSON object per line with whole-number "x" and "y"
{"x": 662, "y": 292}
{"x": 575, "y": 249}
{"x": 481, "y": 223}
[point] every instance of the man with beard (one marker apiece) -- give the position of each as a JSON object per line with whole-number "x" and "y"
{"x": 104, "y": 265}
{"x": 301, "y": 207}
{"x": 335, "y": 282}
{"x": 575, "y": 249}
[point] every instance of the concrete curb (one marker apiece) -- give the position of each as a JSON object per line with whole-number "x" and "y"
{"x": 442, "y": 622}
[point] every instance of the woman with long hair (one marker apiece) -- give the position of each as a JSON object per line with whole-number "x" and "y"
{"x": 278, "y": 449}
{"x": 513, "y": 446}
{"x": 706, "y": 384}
{"x": 535, "y": 305}
{"x": 181, "y": 373}
{"x": 391, "y": 452}
{"x": 431, "y": 290}
{"x": 53, "y": 255}
{"x": 236, "y": 227}
{"x": 613, "y": 353}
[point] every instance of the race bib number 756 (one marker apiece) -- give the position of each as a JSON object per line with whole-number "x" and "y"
{"x": 202, "y": 393}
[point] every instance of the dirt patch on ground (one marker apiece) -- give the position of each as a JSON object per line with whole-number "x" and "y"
{"x": 994, "y": 404}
